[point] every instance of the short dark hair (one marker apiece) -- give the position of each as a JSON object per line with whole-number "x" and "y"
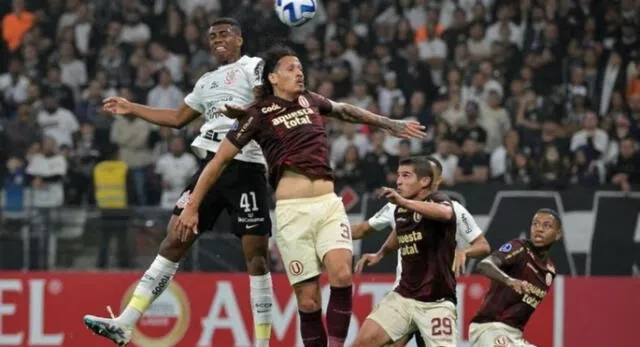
{"x": 552, "y": 212}
{"x": 228, "y": 20}
{"x": 271, "y": 59}
{"x": 435, "y": 161}
{"x": 421, "y": 165}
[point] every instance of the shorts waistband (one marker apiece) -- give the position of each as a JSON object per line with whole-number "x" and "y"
{"x": 286, "y": 202}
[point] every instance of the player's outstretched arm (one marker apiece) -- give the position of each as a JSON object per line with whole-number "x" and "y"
{"x": 361, "y": 230}
{"x": 478, "y": 248}
{"x": 390, "y": 245}
{"x": 188, "y": 220}
{"x": 490, "y": 267}
{"x": 175, "y": 118}
{"x": 353, "y": 114}
{"x": 434, "y": 210}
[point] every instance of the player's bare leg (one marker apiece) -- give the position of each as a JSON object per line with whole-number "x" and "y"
{"x": 338, "y": 263}
{"x": 154, "y": 281}
{"x": 256, "y": 255}
{"x": 310, "y": 309}
{"x": 402, "y": 342}
{"x": 372, "y": 335}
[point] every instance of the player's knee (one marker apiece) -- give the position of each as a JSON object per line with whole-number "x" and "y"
{"x": 257, "y": 265}
{"x": 309, "y": 303}
{"x": 341, "y": 276}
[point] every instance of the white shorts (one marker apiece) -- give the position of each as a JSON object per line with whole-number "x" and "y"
{"x": 400, "y": 316}
{"x": 496, "y": 334}
{"x": 306, "y": 229}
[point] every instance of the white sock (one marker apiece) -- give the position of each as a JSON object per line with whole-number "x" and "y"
{"x": 261, "y": 305}
{"x": 152, "y": 284}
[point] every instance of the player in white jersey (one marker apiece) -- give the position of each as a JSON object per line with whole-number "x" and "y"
{"x": 242, "y": 189}
{"x": 470, "y": 239}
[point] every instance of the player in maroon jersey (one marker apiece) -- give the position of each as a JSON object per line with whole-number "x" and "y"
{"x": 522, "y": 273}
{"x": 425, "y": 298}
{"x": 312, "y": 228}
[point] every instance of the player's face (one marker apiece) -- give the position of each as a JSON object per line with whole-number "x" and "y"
{"x": 408, "y": 184}
{"x": 224, "y": 42}
{"x": 544, "y": 230}
{"x": 288, "y": 76}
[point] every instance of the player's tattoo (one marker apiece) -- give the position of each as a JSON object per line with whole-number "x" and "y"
{"x": 354, "y": 114}
{"x": 490, "y": 267}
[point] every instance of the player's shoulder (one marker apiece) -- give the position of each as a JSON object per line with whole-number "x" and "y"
{"x": 440, "y": 197}
{"x": 512, "y": 245}
{"x": 250, "y": 63}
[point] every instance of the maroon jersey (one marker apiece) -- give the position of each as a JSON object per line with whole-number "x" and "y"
{"x": 290, "y": 133}
{"x": 503, "y": 304}
{"x": 427, "y": 248}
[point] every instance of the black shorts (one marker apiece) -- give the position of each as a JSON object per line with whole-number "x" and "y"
{"x": 242, "y": 191}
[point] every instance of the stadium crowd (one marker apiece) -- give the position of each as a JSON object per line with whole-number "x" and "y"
{"x": 544, "y": 93}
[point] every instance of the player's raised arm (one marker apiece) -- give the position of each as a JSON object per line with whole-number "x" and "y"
{"x": 175, "y": 118}
{"x": 353, "y": 114}
{"x": 493, "y": 267}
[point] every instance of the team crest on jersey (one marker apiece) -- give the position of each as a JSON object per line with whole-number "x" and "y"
{"x": 184, "y": 199}
{"x": 231, "y": 76}
{"x": 303, "y": 101}
{"x": 500, "y": 341}
{"x": 506, "y": 248}
{"x": 417, "y": 217}
{"x": 548, "y": 278}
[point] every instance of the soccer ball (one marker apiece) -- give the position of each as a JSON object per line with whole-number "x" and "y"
{"x": 295, "y": 13}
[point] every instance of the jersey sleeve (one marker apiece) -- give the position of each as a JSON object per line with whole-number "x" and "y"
{"x": 324, "y": 104}
{"x": 254, "y": 71}
{"x": 510, "y": 253}
{"x": 383, "y": 218}
{"x": 195, "y": 100}
{"x": 244, "y": 129}
{"x": 466, "y": 225}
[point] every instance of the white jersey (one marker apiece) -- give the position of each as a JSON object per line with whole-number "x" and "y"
{"x": 228, "y": 84}
{"x": 467, "y": 229}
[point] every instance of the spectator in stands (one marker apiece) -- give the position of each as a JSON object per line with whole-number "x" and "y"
{"x": 47, "y": 171}
{"x": 165, "y": 94}
{"x": 503, "y": 158}
{"x": 626, "y": 169}
{"x": 13, "y": 86}
{"x": 553, "y": 170}
{"x": 131, "y": 134}
{"x": 16, "y": 24}
{"x": 473, "y": 165}
{"x": 55, "y": 86}
{"x": 20, "y": 132}
{"x": 174, "y": 168}
{"x": 378, "y": 165}
{"x": 445, "y": 155}
{"x": 472, "y": 129}
{"x": 161, "y": 58}
{"x": 57, "y": 122}
{"x": 349, "y": 170}
{"x": 596, "y": 140}
{"x": 13, "y": 186}
{"x": 134, "y": 31}
{"x": 494, "y": 120}
{"x": 349, "y": 137}
{"x": 73, "y": 71}
{"x": 583, "y": 172}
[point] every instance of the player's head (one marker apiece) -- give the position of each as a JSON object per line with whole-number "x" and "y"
{"x": 415, "y": 175}
{"x": 436, "y": 166}
{"x": 546, "y": 227}
{"x": 225, "y": 39}
{"x": 283, "y": 73}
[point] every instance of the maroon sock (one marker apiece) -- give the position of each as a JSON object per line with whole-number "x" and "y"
{"x": 312, "y": 329}
{"x": 339, "y": 315}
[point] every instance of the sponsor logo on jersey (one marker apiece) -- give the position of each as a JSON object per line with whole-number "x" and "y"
{"x": 214, "y": 85}
{"x": 303, "y": 101}
{"x": 506, "y": 248}
{"x": 272, "y": 108}
{"x": 231, "y": 76}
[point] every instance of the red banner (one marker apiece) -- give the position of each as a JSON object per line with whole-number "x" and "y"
{"x": 46, "y": 309}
